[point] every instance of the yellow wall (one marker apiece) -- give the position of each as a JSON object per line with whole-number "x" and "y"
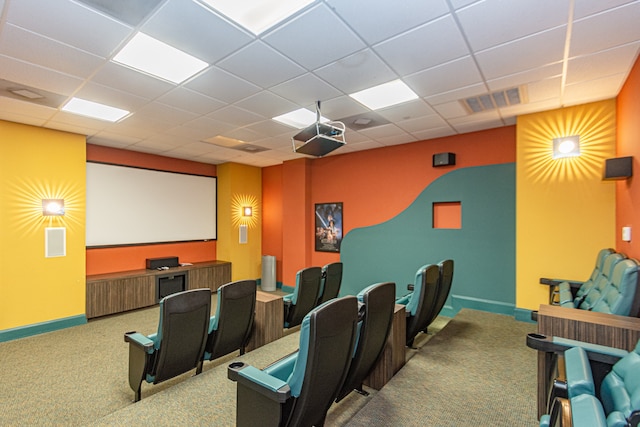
{"x": 37, "y": 163}
{"x": 239, "y": 186}
{"x": 565, "y": 213}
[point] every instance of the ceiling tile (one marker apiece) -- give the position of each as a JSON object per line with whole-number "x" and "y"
{"x": 606, "y": 30}
{"x": 494, "y": 22}
{"x": 70, "y": 23}
{"x": 128, "y": 80}
{"x": 593, "y": 90}
{"x": 585, "y": 8}
{"x": 315, "y": 38}
{"x": 271, "y": 67}
{"x": 527, "y": 53}
{"x": 406, "y": 110}
{"x": 42, "y": 51}
{"x": 189, "y": 100}
{"x": 398, "y": 16}
{"x": 267, "y": 104}
{"x": 235, "y": 116}
{"x": 420, "y": 48}
{"x": 221, "y": 85}
{"x": 457, "y": 94}
{"x": 305, "y": 89}
{"x": 37, "y": 77}
{"x": 434, "y": 133}
{"x": 192, "y": 28}
{"x": 112, "y": 97}
{"x": 590, "y": 67}
{"x": 525, "y": 77}
{"x": 346, "y": 74}
{"x": 444, "y": 78}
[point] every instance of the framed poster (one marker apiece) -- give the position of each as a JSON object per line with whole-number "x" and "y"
{"x": 328, "y": 227}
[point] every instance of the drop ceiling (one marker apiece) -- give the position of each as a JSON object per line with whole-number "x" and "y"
{"x": 556, "y": 52}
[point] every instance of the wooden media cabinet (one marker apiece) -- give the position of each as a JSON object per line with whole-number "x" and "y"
{"x": 117, "y": 292}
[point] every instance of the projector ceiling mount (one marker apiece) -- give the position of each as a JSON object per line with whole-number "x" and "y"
{"x": 319, "y": 139}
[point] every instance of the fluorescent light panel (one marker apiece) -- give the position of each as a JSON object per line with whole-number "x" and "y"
{"x": 385, "y": 95}
{"x": 146, "y": 54}
{"x": 299, "y": 118}
{"x": 94, "y": 110}
{"x": 257, "y": 15}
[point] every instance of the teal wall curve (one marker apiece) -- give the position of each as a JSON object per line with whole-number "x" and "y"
{"x": 483, "y": 249}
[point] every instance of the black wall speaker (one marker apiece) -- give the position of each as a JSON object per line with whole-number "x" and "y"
{"x": 444, "y": 159}
{"x": 156, "y": 263}
{"x": 618, "y": 168}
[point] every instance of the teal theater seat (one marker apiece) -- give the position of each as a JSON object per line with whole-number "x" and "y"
{"x": 304, "y": 297}
{"x": 574, "y": 288}
{"x": 330, "y": 282}
{"x": 420, "y": 303}
{"x": 178, "y": 345}
{"x": 299, "y": 389}
{"x": 378, "y": 304}
{"x": 619, "y": 297}
{"x": 602, "y": 387}
{"x": 230, "y": 328}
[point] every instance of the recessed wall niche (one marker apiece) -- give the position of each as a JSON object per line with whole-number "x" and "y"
{"x": 447, "y": 215}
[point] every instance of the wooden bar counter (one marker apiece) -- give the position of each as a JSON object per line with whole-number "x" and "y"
{"x": 582, "y": 325}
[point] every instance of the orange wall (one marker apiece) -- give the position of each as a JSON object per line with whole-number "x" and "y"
{"x": 628, "y": 144}
{"x": 374, "y": 186}
{"x": 107, "y": 260}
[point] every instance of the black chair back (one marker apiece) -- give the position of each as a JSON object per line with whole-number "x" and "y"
{"x": 444, "y": 287}
{"x": 184, "y": 324}
{"x": 307, "y": 289}
{"x": 379, "y": 304}
{"x": 427, "y": 300}
{"x": 331, "y": 281}
{"x": 234, "y": 315}
{"x": 332, "y": 333}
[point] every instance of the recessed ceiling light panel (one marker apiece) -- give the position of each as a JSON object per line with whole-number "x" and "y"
{"x": 146, "y": 54}
{"x": 299, "y": 118}
{"x": 257, "y": 15}
{"x": 385, "y": 95}
{"x": 94, "y": 110}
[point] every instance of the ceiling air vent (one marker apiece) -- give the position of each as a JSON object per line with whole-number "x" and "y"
{"x": 499, "y": 99}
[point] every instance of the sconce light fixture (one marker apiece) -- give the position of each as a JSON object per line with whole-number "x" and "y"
{"x": 568, "y": 146}
{"x": 52, "y": 207}
{"x": 247, "y": 211}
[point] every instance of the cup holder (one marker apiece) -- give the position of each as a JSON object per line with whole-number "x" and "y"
{"x": 537, "y": 336}
{"x": 233, "y": 369}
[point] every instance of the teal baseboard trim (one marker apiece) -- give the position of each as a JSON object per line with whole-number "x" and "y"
{"x": 41, "y": 328}
{"x": 523, "y": 315}
{"x": 284, "y": 288}
{"x": 459, "y": 302}
{"x": 448, "y": 311}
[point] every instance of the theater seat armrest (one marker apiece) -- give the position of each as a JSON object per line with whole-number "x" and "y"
{"x": 263, "y": 383}
{"x": 556, "y": 282}
{"x": 600, "y": 353}
{"x": 587, "y": 410}
{"x": 578, "y": 372}
{"x": 139, "y": 340}
{"x": 403, "y": 300}
{"x": 282, "y": 368}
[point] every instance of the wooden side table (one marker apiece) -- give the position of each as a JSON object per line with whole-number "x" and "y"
{"x": 393, "y": 355}
{"x": 269, "y": 320}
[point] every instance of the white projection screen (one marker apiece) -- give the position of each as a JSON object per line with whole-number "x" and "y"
{"x": 128, "y": 206}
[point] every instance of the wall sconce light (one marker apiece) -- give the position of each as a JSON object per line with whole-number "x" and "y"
{"x": 568, "y": 146}
{"x": 247, "y": 211}
{"x": 52, "y": 207}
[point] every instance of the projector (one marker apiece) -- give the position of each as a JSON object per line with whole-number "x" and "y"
{"x": 320, "y": 139}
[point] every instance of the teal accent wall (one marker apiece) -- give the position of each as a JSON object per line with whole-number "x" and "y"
{"x": 483, "y": 250}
